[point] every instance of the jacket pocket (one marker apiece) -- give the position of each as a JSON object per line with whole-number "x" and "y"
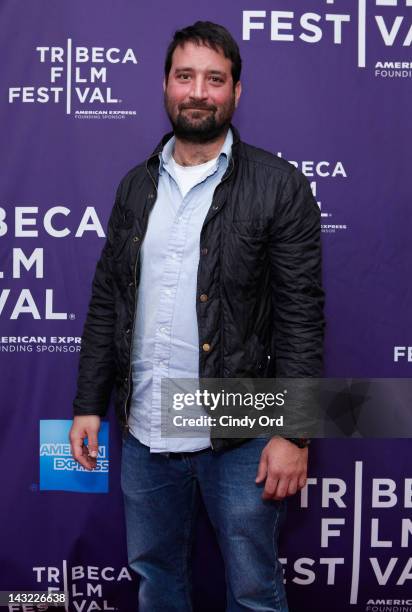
{"x": 258, "y": 357}
{"x": 250, "y": 228}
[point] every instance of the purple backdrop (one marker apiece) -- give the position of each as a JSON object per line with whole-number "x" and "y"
{"x": 326, "y": 84}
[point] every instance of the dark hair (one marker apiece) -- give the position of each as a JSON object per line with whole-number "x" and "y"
{"x": 211, "y": 35}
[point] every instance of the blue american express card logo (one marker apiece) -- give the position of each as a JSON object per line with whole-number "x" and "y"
{"x": 59, "y": 471}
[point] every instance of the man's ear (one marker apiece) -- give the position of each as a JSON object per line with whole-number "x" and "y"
{"x": 164, "y": 84}
{"x": 238, "y": 91}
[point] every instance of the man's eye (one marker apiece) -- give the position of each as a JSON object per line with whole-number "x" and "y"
{"x": 184, "y": 77}
{"x": 216, "y": 79}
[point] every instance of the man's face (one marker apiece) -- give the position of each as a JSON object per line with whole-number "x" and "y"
{"x": 199, "y": 95}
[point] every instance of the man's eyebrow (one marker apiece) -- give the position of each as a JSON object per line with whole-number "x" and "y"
{"x": 190, "y": 69}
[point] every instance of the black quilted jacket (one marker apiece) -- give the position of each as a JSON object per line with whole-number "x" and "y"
{"x": 260, "y": 269}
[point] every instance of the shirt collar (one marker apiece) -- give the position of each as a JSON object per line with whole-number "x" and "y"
{"x": 167, "y": 152}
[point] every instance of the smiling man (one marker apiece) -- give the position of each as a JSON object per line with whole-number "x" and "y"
{"x": 211, "y": 269}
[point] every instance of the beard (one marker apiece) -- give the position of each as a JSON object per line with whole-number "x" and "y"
{"x": 199, "y": 127}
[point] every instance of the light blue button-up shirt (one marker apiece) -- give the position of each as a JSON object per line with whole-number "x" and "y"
{"x": 166, "y": 339}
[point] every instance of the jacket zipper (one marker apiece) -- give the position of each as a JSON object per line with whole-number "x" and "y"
{"x": 134, "y": 300}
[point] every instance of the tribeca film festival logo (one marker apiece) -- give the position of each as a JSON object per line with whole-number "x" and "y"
{"x": 342, "y": 505}
{"x": 77, "y": 78}
{"x": 24, "y": 225}
{"x": 322, "y": 170}
{"x": 59, "y": 471}
{"x": 380, "y": 16}
{"x": 84, "y": 584}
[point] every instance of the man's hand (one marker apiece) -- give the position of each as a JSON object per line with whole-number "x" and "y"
{"x": 85, "y": 427}
{"x": 284, "y": 466}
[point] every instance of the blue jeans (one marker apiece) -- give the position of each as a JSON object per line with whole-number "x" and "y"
{"x": 161, "y": 494}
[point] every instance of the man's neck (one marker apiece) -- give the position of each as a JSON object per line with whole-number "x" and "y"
{"x": 191, "y": 154}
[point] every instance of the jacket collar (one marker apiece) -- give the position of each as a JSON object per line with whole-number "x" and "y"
{"x": 168, "y": 136}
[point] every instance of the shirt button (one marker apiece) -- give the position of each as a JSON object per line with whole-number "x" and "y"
{"x": 131, "y": 284}
{"x": 128, "y": 330}
{"x": 215, "y": 207}
{"x": 206, "y": 347}
{"x": 150, "y": 196}
{"x": 126, "y": 379}
{"x": 136, "y": 238}
{"x": 204, "y": 251}
{"x": 204, "y": 297}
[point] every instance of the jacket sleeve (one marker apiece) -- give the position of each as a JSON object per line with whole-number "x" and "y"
{"x": 97, "y": 369}
{"x": 296, "y": 279}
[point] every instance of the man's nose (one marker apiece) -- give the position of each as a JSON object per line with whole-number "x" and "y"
{"x": 199, "y": 90}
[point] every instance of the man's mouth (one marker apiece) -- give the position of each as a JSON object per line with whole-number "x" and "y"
{"x": 195, "y": 108}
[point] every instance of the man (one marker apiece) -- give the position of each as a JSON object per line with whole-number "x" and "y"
{"x": 211, "y": 268}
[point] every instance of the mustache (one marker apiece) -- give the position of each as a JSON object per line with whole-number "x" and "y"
{"x": 197, "y": 106}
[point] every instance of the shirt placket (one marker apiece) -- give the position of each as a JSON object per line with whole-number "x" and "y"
{"x": 164, "y": 319}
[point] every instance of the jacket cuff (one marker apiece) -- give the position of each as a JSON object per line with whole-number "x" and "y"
{"x": 300, "y": 442}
